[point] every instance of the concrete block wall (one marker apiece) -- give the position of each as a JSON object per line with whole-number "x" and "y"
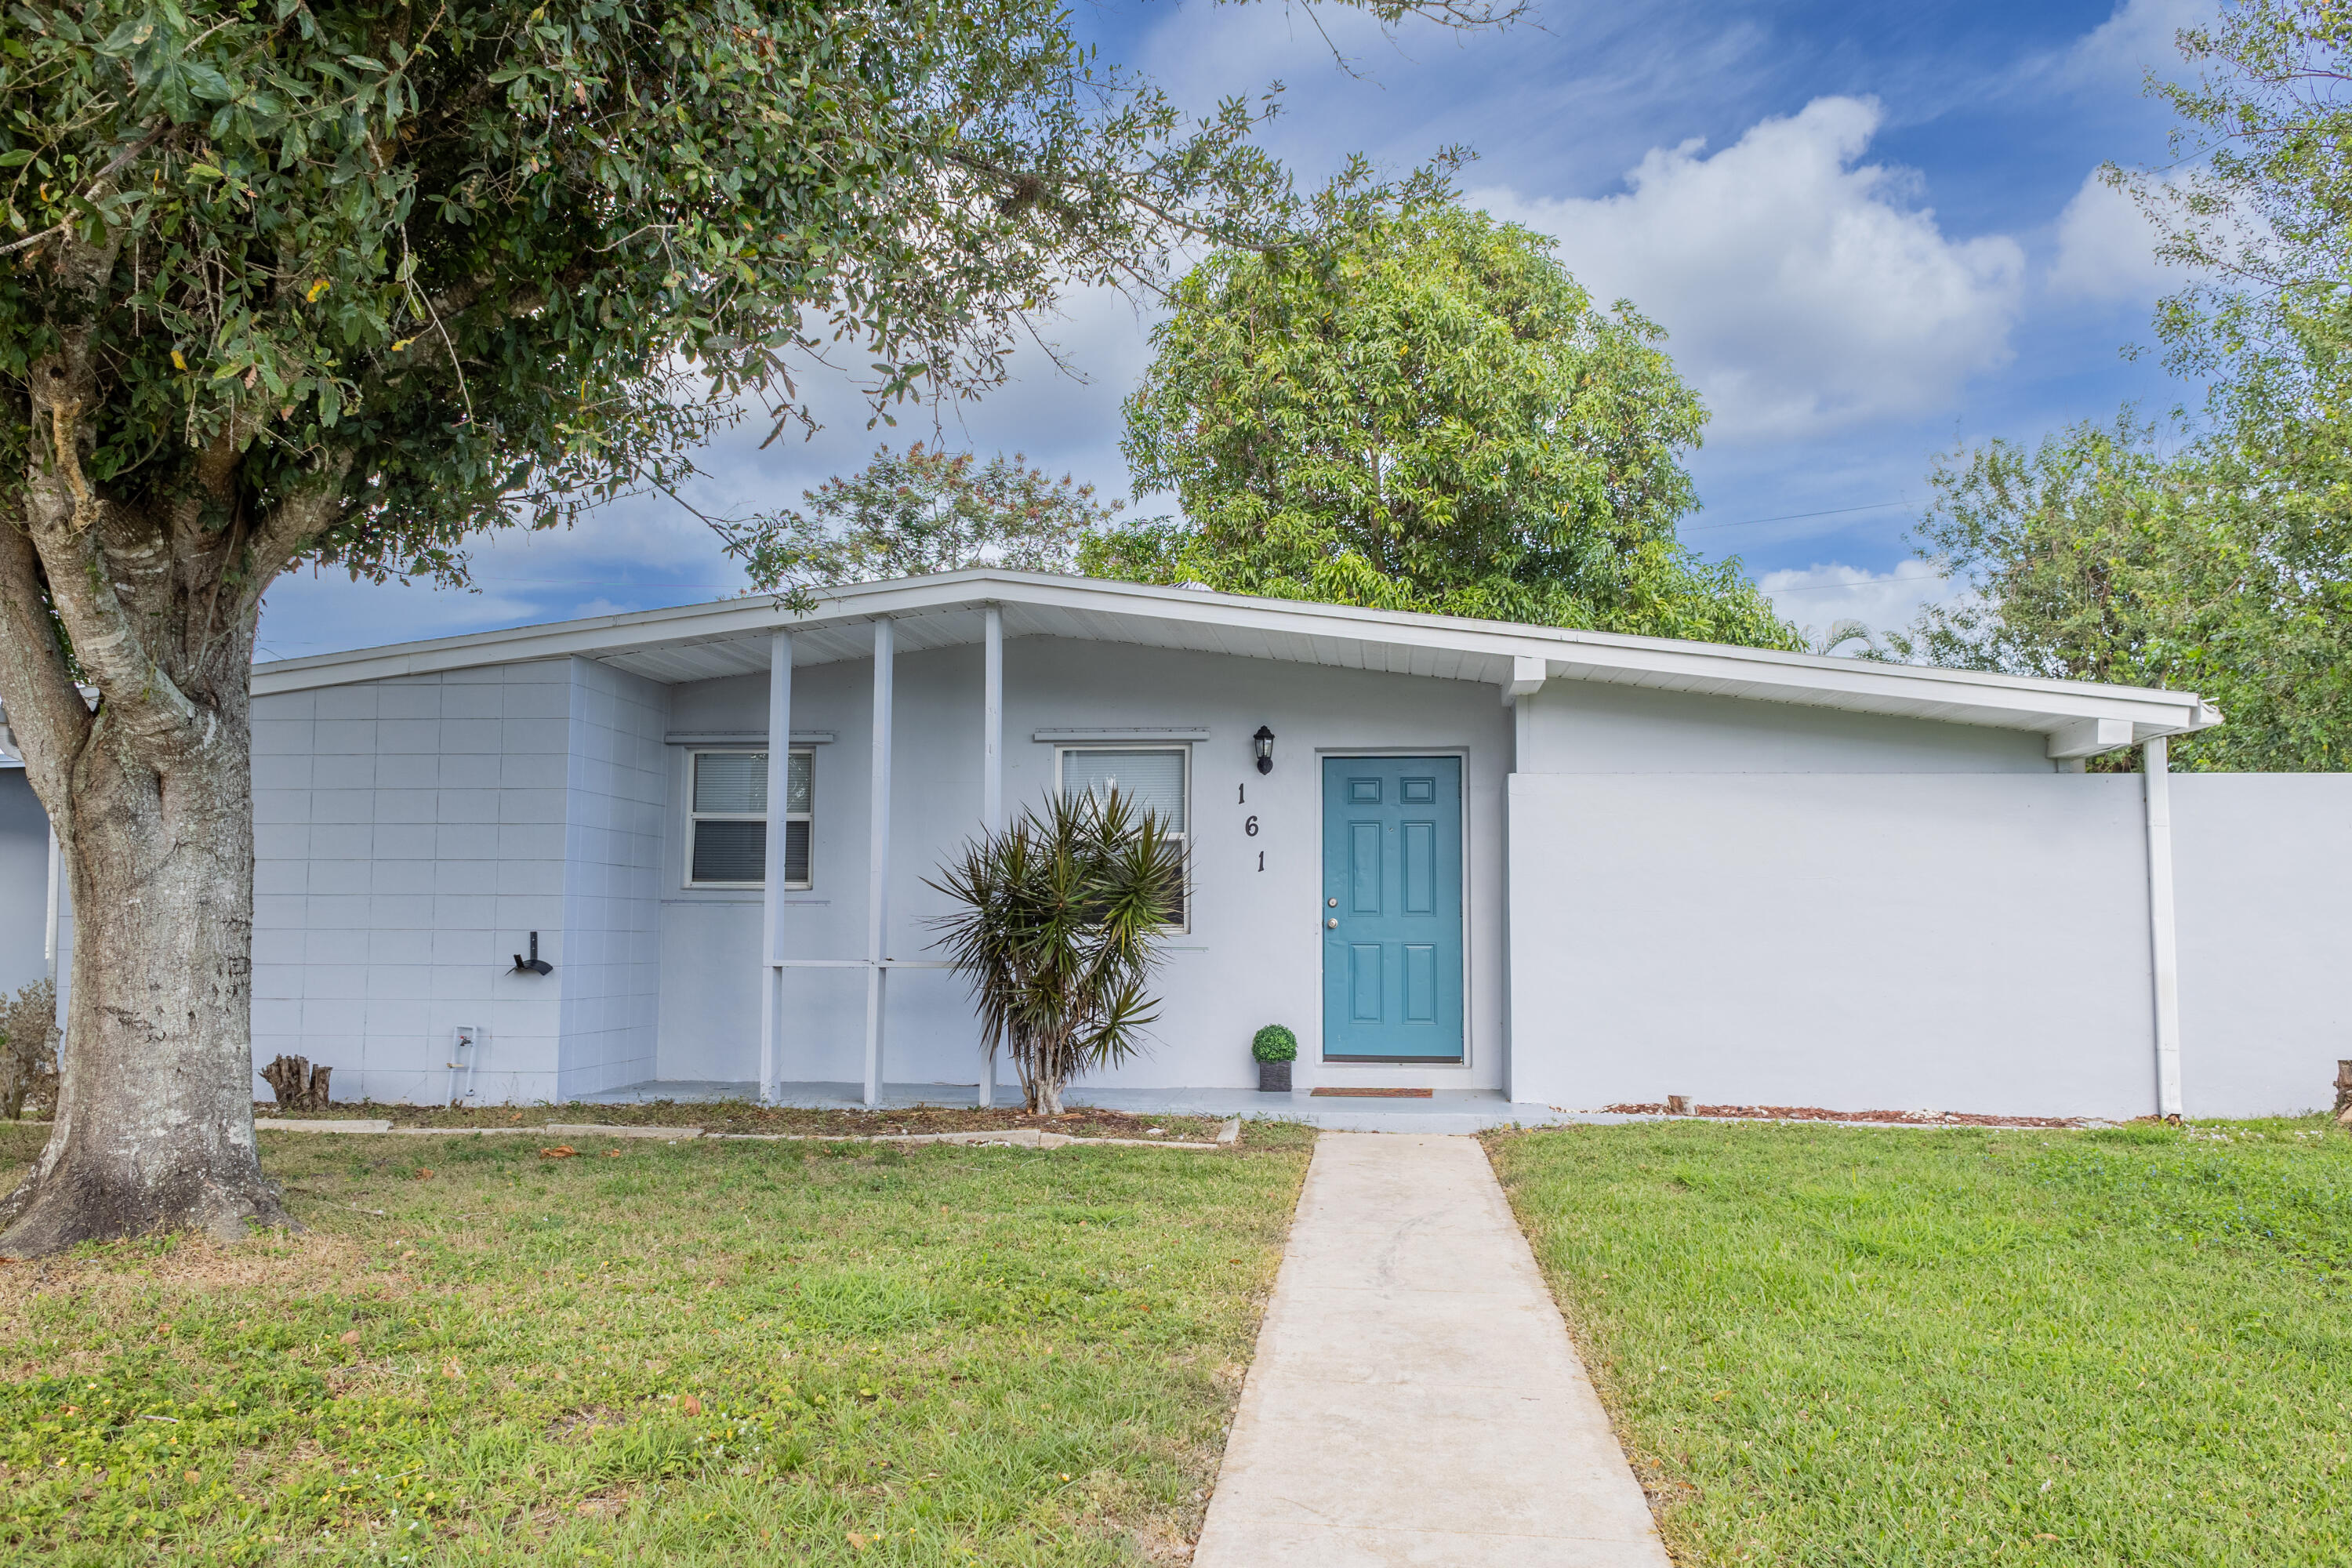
{"x": 23, "y": 881}
{"x": 616, "y": 788}
{"x": 409, "y": 834}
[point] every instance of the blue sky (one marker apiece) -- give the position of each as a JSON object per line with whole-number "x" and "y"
{"x": 1871, "y": 230}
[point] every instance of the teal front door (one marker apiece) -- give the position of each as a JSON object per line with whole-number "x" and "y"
{"x": 1392, "y": 909}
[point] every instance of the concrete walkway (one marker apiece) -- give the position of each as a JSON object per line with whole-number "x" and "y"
{"x": 1415, "y": 1399}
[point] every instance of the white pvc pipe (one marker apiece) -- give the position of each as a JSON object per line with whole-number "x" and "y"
{"x": 771, "y": 898}
{"x": 2163, "y": 952}
{"x": 992, "y": 776}
{"x": 877, "y": 863}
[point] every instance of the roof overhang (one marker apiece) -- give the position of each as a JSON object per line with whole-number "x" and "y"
{"x": 702, "y": 642}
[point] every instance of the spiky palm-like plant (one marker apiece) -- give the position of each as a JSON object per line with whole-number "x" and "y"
{"x": 1057, "y": 930}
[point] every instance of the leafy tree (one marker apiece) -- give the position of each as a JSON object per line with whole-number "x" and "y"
{"x": 926, "y": 511}
{"x": 1416, "y": 407}
{"x": 2223, "y": 563}
{"x": 2254, "y": 204}
{"x": 344, "y": 281}
{"x": 2100, "y": 555}
{"x": 1058, "y": 933}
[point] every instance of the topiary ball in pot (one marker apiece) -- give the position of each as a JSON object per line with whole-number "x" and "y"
{"x": 1275, "y": 1048}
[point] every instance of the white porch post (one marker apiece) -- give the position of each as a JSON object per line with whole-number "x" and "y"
{"x": 2164, "y": 963}
{"x": 49, "y": 938}
{"x": 779, "y": 772}
{"x": 877, "y": 859}
{"x": 992, "y": 776}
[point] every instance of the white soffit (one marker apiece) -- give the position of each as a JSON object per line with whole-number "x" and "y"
{"x": 702, "y": 642}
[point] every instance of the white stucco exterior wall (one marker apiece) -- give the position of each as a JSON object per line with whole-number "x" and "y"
{"x": 2262, "y": 864}
{"x": 1949, "y": 942}
{"x": 1580, "y": 727}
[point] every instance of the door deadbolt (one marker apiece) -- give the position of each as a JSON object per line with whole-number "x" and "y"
{"x": 1333, "y": 902}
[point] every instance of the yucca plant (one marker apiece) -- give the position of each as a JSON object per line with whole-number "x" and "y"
{"x": 1058, "y": 931}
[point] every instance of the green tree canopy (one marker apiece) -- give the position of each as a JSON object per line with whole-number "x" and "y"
{"x": 1416, "y": 407}
{"x": 925, "y": 510}
{"x": 2221, "y": 560}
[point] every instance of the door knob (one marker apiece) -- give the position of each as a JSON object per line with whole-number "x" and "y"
{"x": 1332, "y": 924}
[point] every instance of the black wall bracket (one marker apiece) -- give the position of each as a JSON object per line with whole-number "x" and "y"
{"x": 534, "y": 964}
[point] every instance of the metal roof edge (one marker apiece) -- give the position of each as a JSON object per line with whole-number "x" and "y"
{"x": 1567, "y": 652}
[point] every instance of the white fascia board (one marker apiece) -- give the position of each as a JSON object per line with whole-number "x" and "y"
{"x": 1958, "y": 696}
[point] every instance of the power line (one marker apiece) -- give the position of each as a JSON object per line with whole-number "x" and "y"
{"x": 1869, "y": 583}
{"x": 1800, "y": 516}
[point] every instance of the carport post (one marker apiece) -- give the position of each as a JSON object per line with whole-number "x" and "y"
{"x": 877, "y": 859}
{"x": 2163, "y": 959}
{"x": 771, "y": 897}
{"x": 992, "y": 775}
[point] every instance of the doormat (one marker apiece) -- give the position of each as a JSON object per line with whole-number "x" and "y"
{"x": 1371, "y": 1093}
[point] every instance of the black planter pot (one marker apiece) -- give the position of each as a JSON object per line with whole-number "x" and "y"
{"x": 1274, "y": 1077}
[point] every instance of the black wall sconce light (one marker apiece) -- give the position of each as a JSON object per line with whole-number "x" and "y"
{"x": 534, "y": 964}
{"x": 1265, "y": 739}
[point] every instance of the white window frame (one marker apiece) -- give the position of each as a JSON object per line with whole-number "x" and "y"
{"x": 694, "y": 816}
{"x": 1184, "y": 838}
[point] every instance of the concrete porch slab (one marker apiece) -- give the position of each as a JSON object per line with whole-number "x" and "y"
{"x": 1445, "y": 1112}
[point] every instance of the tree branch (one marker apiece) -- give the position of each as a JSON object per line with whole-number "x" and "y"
{"x": 96, "y": 189}
{"x": 36, "y": 685}
{"x": 1020, "y": 182}
{"x": 60, "y": 509}
{"x": 290, "y": 527}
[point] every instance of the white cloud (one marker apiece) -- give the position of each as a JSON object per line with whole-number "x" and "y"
{"x": 1818, "y": 597}
{"x": 1803, "y": 289}
{"x": 2137, "y": 38}
{"x": 2107, "y": 250}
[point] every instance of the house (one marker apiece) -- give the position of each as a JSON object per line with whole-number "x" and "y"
{"x": 1538, "y": 865}
{"x": 28, "y": 875}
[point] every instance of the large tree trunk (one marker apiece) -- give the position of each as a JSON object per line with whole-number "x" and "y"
{"x": 157, "y": 593}
{"x": 154, "y": 1127}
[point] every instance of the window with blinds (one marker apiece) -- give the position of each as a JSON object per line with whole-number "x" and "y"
{"x": 1155, "y": 779}
{"x": 728, "y": 819}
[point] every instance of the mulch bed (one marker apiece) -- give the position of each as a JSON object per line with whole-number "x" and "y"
{"x": 744, "y": 1116}
{"x": 1816, "y": 1113}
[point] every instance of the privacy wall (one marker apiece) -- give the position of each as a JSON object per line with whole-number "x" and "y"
{"x": 2264, "y": 874}
{"x": 1922, "y": 941}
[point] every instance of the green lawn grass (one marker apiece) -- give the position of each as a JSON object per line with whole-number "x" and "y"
{"x": 739, "y": 1353}
{"x": 1826, "y": 1346}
